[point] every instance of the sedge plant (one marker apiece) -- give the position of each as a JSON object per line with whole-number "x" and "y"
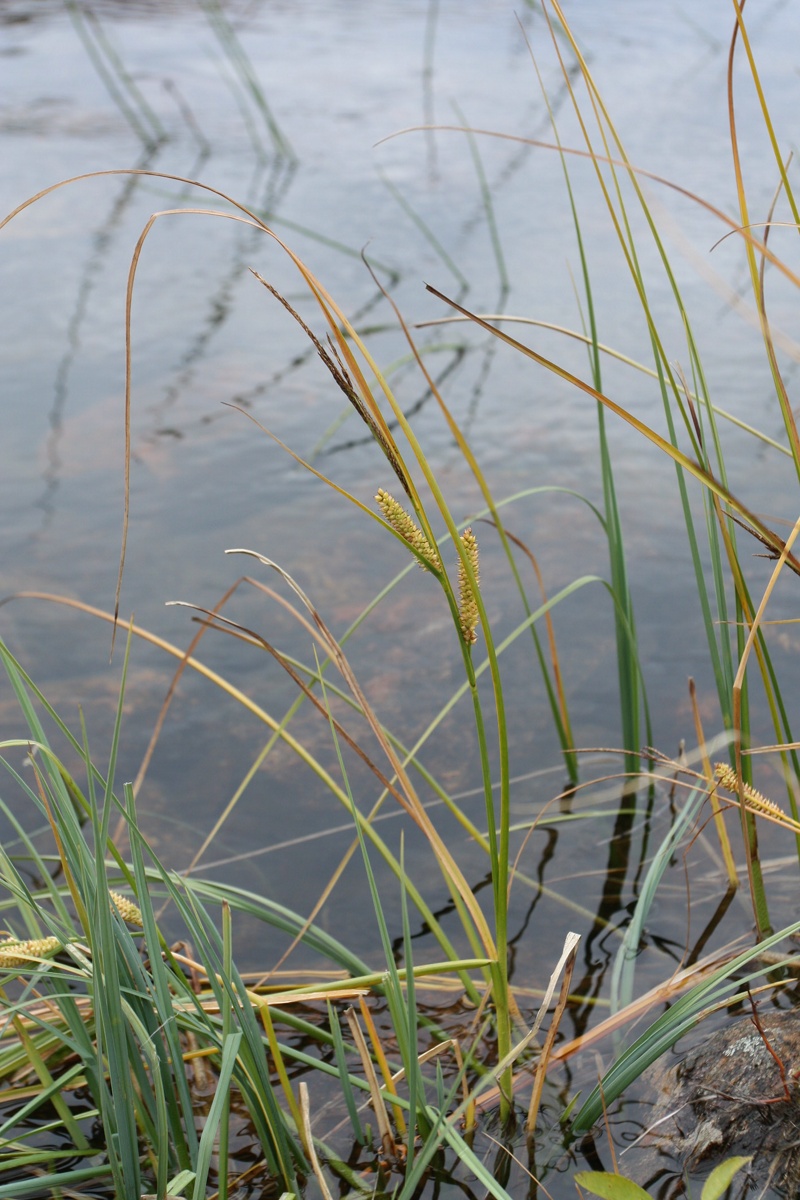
{"x": 147, "y": 1024}
{"x": 735, "y": 623}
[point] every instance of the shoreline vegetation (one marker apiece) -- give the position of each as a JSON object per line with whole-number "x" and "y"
{"x": 133, "y": 1063}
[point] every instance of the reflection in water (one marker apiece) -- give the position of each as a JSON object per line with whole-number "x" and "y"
{"x": 609, "y": 909}
{"x": 117, "y": 80}
{"x": 265, "y": 194}
{"x": 101, "y": 243}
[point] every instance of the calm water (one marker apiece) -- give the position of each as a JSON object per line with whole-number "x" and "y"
{"x": 337, "y": 78}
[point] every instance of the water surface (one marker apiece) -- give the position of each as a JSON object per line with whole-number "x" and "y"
{"x": 337, "y": 78}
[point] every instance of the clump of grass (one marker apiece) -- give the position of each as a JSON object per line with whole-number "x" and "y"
{"x": 104, "y": 1007}
{"x": 96, "y": 1005}
{"x": 734, "y": 622}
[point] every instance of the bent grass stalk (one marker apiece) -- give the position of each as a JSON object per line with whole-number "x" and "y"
{"x": 349, "y": 375}
{"x": 627, "y": 664}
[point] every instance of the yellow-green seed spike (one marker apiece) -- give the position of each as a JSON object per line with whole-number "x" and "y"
{"x": 468, "y": 606}
{"x": 398, "y": 518}
{"x": 14, "y": 954}
{"x": 126, "y": 908}
{"x": 727, "y": 778}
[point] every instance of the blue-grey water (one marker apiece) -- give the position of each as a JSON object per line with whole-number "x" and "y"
{"x": 285, "y": 107}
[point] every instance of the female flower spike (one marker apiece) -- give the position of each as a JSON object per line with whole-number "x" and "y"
{"x": 15, "y": 954}
{"x": 126, "y": 908}
{"x": 468, "y": 607}
{"x": 398, "y": 518}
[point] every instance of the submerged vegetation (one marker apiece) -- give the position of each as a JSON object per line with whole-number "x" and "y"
{"x": 137, "y": 1058}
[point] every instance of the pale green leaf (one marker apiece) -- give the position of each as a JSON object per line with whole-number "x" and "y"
{"x": 720, "y": 1178}
{"x": 609, "y": 1186}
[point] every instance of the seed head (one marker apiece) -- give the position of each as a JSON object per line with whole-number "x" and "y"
{"x": 14, "y": 953}
{"x": 399, "y": 519}
{"x": 727, "y": 778}
{"x": 468, "y": 606}
{"x": 129, "y": 911}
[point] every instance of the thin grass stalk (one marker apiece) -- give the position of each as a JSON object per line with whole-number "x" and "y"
{"x": 486, "y": 199}
{"x": 389, "y": 1090}
{"x": 719, "y": 821}
{"x": 227, "y": 1032}
{"x": 741, "y": 727}
{"x": 344, "y": 1075}
{"x": 308, "y": 1138}
{"x": 755, "y": 77}
{"x": 629, "y": 251}
{"x": 118, "y": 1105}
{"x": 403, "y": 1013}
{"x": 182, "y": 1127}
{"x": 772, "y": 691}
{"x": 219, "y": 1107}
{"x": 376, "y": 1097}
{"x": 625, "y": 630}
{"x": 562, "y": 725}
{"x": 748, "y": 821}
{"x": 786, "y": 410}
{"x": 556, "y": 694}
{"x": 278, "y": 1060}
{"x": 622, "y": 974}
{"x": 627, "y": 671}
{"x": 549, "y": 1042}
{"x": 416, "y": 1085}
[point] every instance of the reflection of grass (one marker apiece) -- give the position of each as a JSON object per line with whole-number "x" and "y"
{"x": 121, "y": 87}
{"x": 246, "y": 76}
{"x": 149, "y": 1031}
